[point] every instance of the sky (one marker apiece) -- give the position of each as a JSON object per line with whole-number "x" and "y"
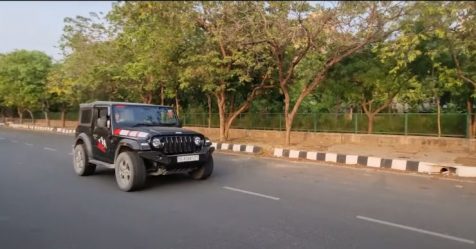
{"x": 39, "y": 25}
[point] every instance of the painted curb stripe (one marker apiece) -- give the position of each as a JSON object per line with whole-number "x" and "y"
{"x": 321, "y": 156}
{"x": 374, "y": 162}
{"x": 341, "y": 158}
{"x": 386, "y": 163}
{"x": 412, "y": 166}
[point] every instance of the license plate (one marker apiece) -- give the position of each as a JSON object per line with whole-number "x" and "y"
{"x": 181, "y": 159}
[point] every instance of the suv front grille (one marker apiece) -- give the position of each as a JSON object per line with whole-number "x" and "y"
{"x": 179, "y": 145}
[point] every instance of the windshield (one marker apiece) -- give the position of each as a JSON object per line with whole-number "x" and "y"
{"x": 129, "y": 115}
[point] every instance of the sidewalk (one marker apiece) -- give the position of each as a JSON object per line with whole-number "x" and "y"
{"x": 407, "y": 152}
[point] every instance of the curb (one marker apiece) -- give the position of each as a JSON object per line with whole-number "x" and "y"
{"x": 247, "y": 148}
{"x": 42, "y": 128}
{"x": 252, "y": 149}
{"x": 377, "y": 162}
{"x": 367, "y": 161}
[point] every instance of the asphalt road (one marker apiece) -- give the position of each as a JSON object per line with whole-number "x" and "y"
{"x": 249, "y": 202}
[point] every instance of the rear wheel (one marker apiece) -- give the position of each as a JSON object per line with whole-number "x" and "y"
{"x": 130, "y": 171}
{"x": 204, "y": 171}
{"x": 81, "y": 164}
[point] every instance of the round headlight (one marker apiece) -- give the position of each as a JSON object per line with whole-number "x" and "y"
{"x": 197, "y": 141}
{"x": 157, "y": 143}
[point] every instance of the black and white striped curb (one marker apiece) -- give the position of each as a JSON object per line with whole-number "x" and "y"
{"x": 67, "y": 131}
{"x": 237, "y": 147}
{"x": 42, "y": 128}
{"x": 376, "y": 162}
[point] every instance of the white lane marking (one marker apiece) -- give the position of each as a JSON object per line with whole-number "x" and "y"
{"x": 251, "y": 193}
{"x": 48, "y": 148}
{"x": 28, "y": 144}
{"x": 418, "y": 230}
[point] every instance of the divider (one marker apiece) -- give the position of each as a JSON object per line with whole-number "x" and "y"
{"x": 377, "y": 162}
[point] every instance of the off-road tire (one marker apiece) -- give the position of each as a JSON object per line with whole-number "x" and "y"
{"x": 130, "y": 171}
{"x": 81, "y": 164}
{"x": 204, "y": 171}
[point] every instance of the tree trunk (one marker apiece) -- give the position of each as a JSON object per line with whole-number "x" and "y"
{"x": 47, "y": 118}
{"x": 162, "y": 97}
{"x": 438, "y": 115}
{"x": 147, "y": 98}
{"x": 177, "y": 104}
{"x": 31, "y": 115}
{"x": 370, "y": 122}
{"x": 288, "y": 123}
{"x": 227, "y": 127}
{"x": 63, "y": 117}
{"x": 20, "y": 114}
{"x": 469, "y": 109}
{"x": 209, "y": 110}
{"x": 221, "y": 112}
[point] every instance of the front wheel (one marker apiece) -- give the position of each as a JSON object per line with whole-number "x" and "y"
{"x": 204, "y": 171}
{"x": 81, "y": 164}
{"x": 130, "y": 171}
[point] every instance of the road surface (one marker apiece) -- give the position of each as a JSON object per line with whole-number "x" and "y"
{"x": 249, "y": 202}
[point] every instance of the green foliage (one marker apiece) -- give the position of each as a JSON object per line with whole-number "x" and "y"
{"x": 183, "y": 52}
{"x": 23, "y": 79}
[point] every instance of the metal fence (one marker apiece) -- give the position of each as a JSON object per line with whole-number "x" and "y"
{"x": 424, "y": 124}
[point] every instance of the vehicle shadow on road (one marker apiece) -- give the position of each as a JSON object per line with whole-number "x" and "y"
{"x": 154, "y": 182}
{"x": 160, "y": 181}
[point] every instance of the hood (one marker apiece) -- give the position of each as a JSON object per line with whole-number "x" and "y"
{"x": 161, "y": 130}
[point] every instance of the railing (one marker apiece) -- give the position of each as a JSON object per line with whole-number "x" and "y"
{"x": 420, "y": 124}
{"x": 423, "y": 124}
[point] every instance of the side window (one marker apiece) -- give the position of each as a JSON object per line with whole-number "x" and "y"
{"x": 101, "y": 117}
{"x": 86, "y": 116}
{"x": 167, "y": 116}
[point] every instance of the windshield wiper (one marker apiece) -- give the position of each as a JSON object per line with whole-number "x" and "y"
{"x": 168, "y": 124}
{"x": 145, "y": 124}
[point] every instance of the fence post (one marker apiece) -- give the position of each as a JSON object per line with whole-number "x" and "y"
{"x": 406, "y": 124}
{"x": 356, "y": 122}
{"x": 314, "y": 117}
{"x": 184, "y": 119}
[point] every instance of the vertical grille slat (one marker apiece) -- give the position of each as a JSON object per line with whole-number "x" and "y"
{"x": 182, "y": 144}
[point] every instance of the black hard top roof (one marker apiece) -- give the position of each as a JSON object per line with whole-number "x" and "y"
{"x": 107, "y": 103}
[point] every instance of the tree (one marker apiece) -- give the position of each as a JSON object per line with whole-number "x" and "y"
{"x": 430, "y": 46}
{"x": 153, "y": 35}
{"x": 368, "y": 82}
{"x": 93, "y": 60}
{"x": 22, "y": 80}
{"x": 225, "y": 66}
{"x": 294, "y": 31}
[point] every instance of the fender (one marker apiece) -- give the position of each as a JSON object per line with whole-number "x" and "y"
{"x": 87, "y": 141}
{"x": 129, "y": 143}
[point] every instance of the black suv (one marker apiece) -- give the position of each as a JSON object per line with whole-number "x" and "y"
{"x": 138, "y": 140}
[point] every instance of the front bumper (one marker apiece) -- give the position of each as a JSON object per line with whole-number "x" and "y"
{"x": 170, "y": 161}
